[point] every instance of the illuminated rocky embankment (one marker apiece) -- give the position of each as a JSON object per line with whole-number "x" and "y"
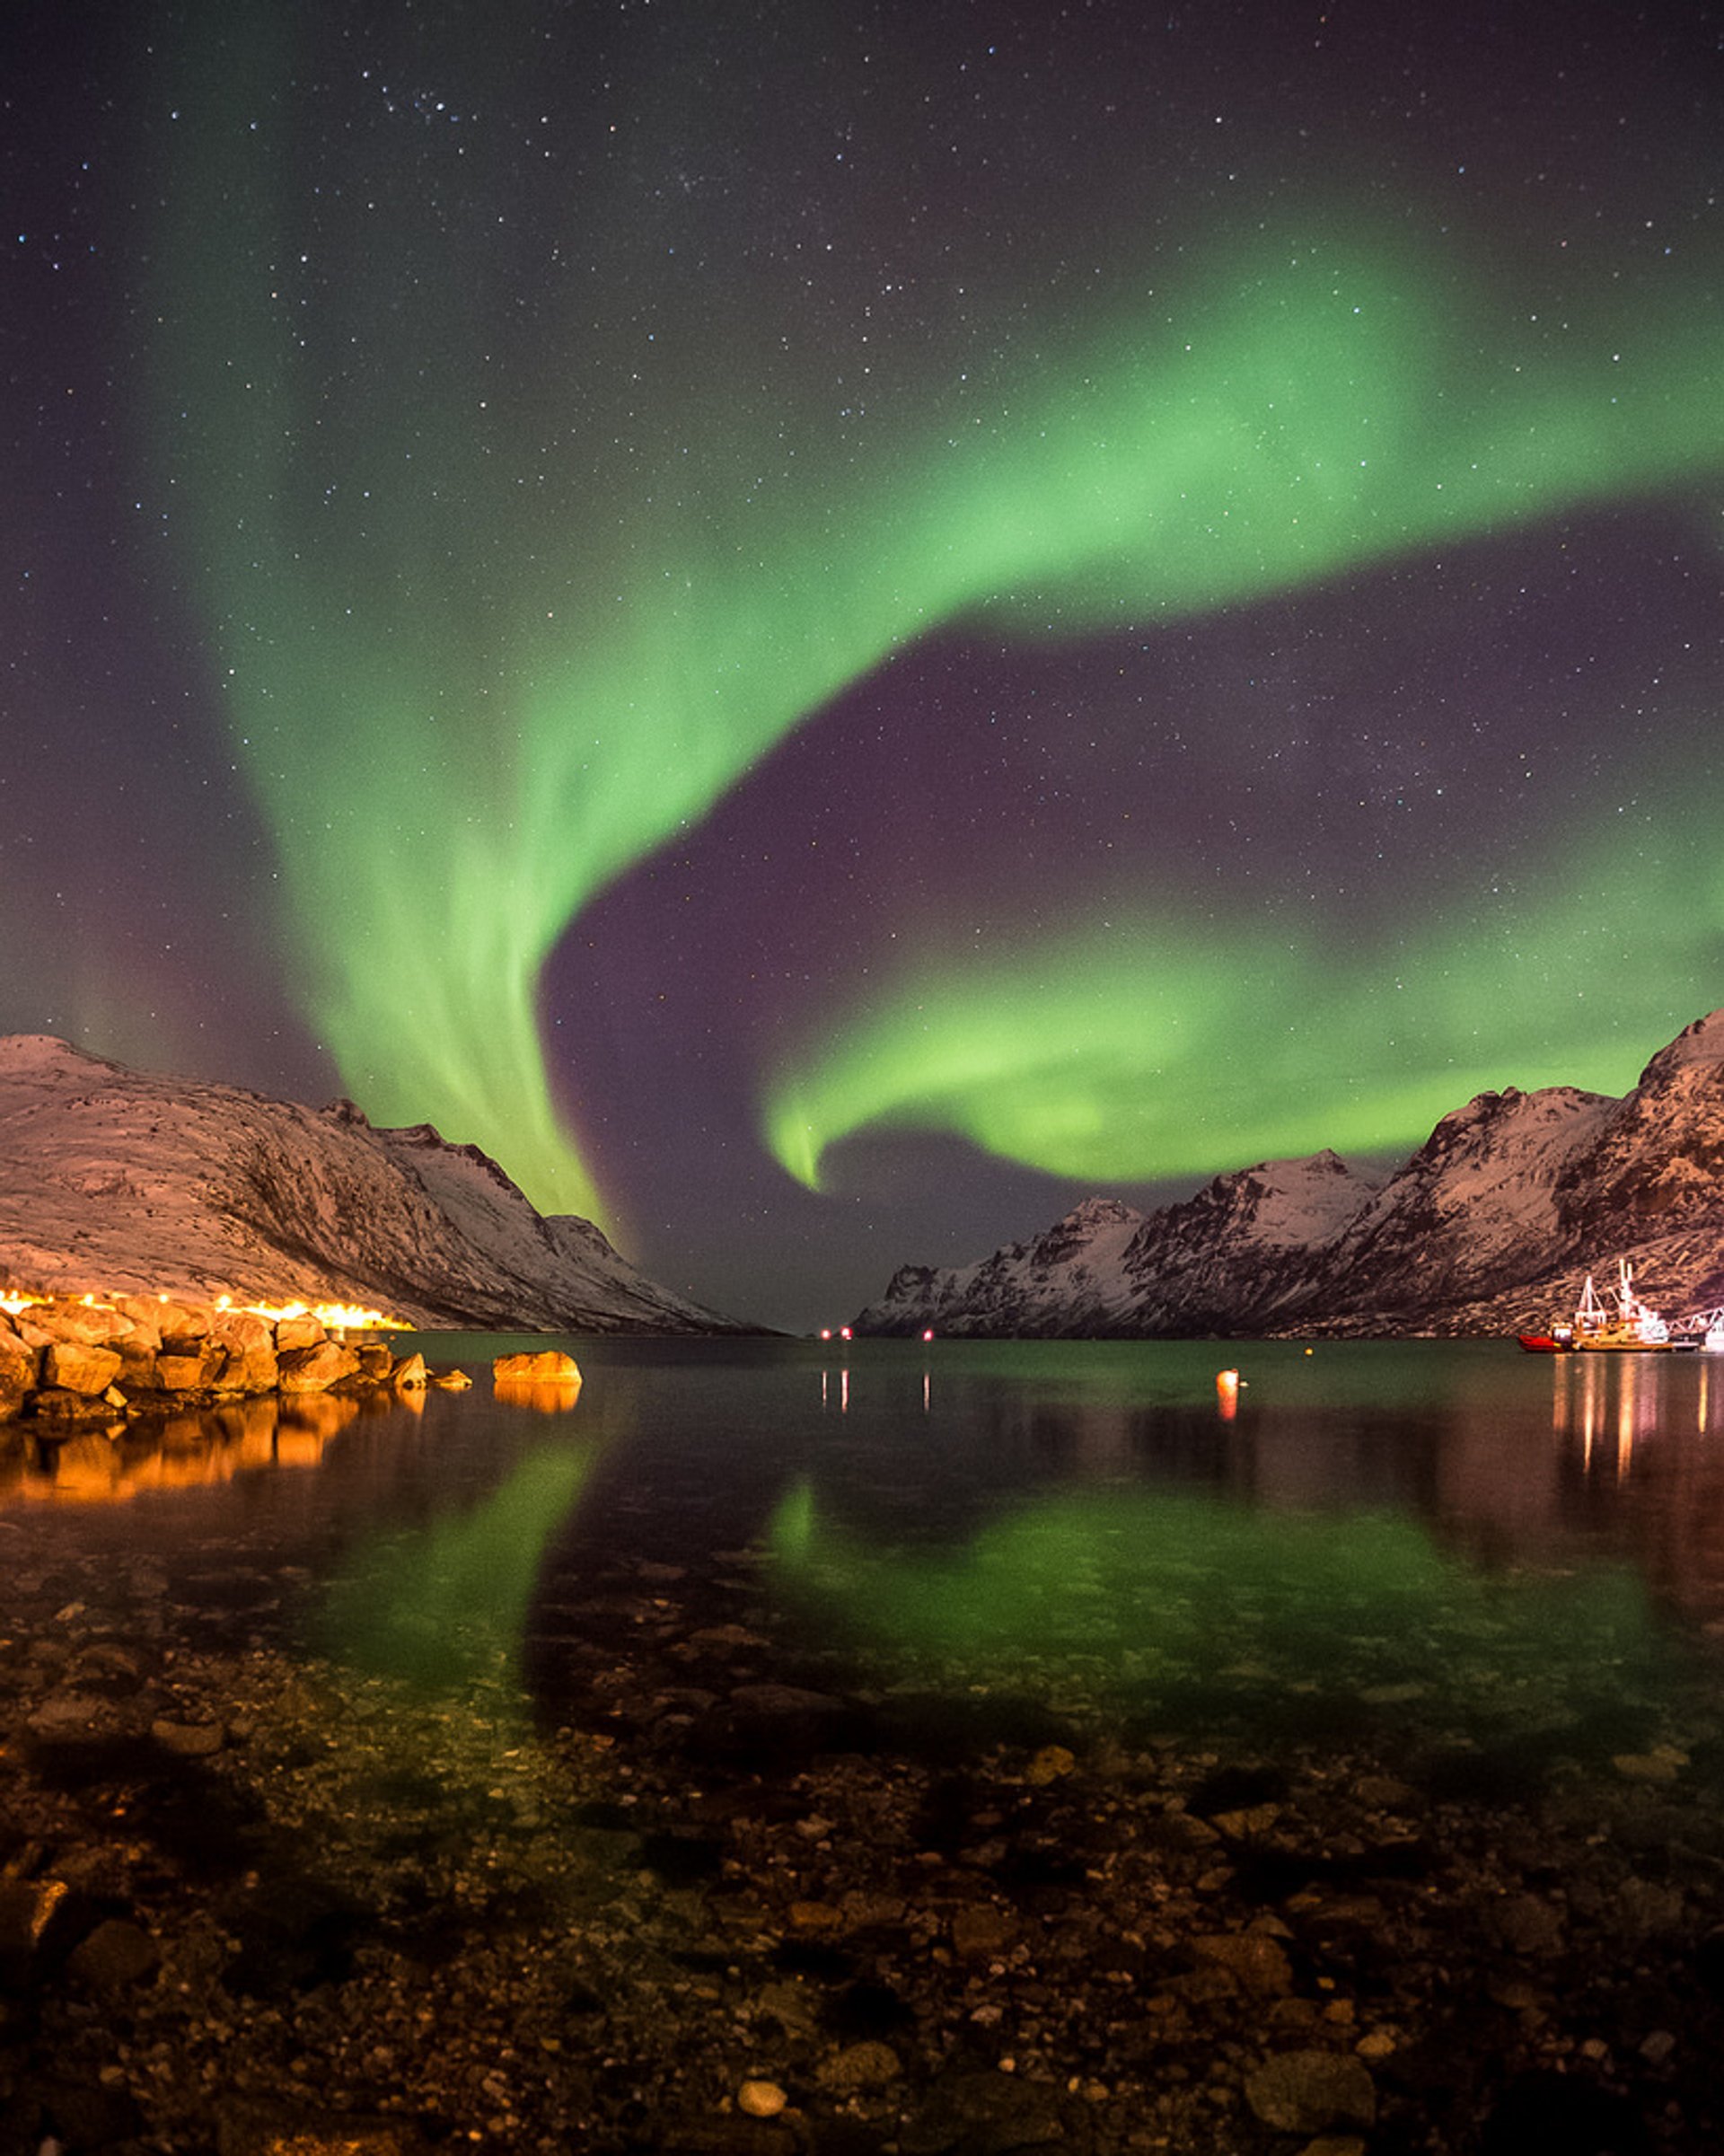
{"x": 77, "y": 1361}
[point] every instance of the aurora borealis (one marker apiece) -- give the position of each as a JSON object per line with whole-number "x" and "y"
{"x": 827, "y": 629}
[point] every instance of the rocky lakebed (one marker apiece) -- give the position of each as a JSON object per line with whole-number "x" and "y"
{"x": 673, "y": 1879}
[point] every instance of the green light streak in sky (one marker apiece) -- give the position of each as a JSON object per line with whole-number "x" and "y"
{"x": 1162, "y": 1047}
{"x": 476, "y": 660}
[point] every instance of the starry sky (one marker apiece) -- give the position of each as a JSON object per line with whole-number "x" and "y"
{"x": 828, "y": 628}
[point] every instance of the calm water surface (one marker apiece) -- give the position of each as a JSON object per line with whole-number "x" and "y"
{"x": 1441, "y": 1545}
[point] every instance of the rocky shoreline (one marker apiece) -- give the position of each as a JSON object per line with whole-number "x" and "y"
{"x": 76, "y": 1360}
{"x": 693, "y": 1887}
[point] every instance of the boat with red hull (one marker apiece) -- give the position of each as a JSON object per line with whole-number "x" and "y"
{"x": 1634, "y": 1328}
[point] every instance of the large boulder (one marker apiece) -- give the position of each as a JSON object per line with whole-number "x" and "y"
{"x": 313, "y": 1369}
{"x": 178, "y": 1322}
{"x": 137, "y": 1372}
{"x": 146, "y": 1313}
{"x": 249, "y": 1341}
{"x": 186, "y": 1373}
{"x": 1310, "y": 2091}
{"x": 73, "y": 1366}
{"x": 18, "y": 1368}
{"x": 98, "y": 1324}
{"x": 546, "y": 1368}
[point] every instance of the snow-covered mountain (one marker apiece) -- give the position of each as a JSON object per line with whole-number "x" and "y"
{"x": 1489, "y": 1227}
{"x": 113, "y": 1180}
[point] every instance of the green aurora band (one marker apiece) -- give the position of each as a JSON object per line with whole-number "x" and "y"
{"x": 489, "y": 637}
{"x": 1162, "y": 1047}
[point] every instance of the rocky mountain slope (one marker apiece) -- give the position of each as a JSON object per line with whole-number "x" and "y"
{"x": 1487, "y": 1228}
{"x": 113, "y": 1180}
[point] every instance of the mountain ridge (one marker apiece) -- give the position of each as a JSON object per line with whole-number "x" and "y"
{"x": 118, "y": 1181}
{"x": 1487, "y": 1226}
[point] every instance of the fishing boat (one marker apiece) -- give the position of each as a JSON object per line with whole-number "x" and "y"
{"x": 1634, "y": 1327}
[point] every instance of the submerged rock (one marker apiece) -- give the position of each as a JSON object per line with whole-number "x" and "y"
{"x": 115, "y": 1956}
{"x": 1305, "y": 2091}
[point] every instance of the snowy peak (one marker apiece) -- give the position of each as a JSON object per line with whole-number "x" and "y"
{"x": 1477, "y": 1201}
{"x": 1232, "y": 1256}
{"x": 1503, "y": 1123}
{"x": 1094, "y": 1215}
{"x": 114, "y": 1180}
{"x": 1698, "y": 1046}
{"x": 1503, "y": 1151}
{"x": 1288, "y": 1204}
{"x": 1097, "y": 1231}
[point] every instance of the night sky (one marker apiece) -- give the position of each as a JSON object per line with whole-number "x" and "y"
{"x": 830, "y": 628}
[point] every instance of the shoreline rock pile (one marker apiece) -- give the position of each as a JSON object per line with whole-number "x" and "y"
{"x": 69, "y": 1360}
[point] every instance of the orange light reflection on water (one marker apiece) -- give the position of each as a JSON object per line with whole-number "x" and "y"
{"x": 544, "y": 1396}
{"x": 111, "y": 1464}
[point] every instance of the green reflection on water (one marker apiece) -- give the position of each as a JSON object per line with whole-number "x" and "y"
{"x": 1114, "y": 1567}
{"x": 445, "y": 1607}
{"x": 1180, "y": 1602}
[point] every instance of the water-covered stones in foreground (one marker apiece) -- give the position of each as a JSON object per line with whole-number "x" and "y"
{"x": 250, "y": 1901}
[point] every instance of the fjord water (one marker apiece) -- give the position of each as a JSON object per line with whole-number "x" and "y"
{"x": 1440, "y": 1547}
{"x": 1449, "y": 1548}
